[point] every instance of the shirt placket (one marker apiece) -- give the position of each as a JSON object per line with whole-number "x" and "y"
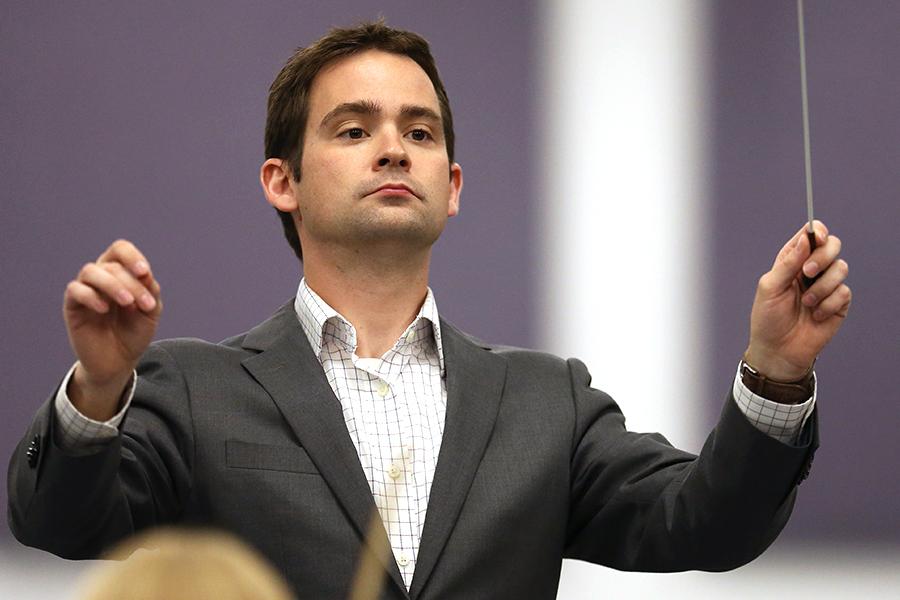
{"x": 384, "y": 426}
{"x": 400, "y": 505}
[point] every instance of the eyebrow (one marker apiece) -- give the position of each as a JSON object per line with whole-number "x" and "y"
{"x": 372, "y": 108}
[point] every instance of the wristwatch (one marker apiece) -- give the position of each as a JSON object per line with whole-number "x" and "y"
{"x": 784, "y": 392}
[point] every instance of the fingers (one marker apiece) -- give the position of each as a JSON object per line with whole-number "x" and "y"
{"x": 794, "y": 254}
{"x": 117, "y": 283}
{"x": 126, "y": 254}
{"x": 121, "y": 276}
{"x": 829, "y": 295}
{"x": 838, "y": 303}
{"x": 78, "y": 293}
{"x": 822, "y": 257}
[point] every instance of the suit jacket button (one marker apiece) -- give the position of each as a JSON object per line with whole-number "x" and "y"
{"x": 34, "y": 451}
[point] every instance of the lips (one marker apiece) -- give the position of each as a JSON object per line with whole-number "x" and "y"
{"x": 395, "y": 188}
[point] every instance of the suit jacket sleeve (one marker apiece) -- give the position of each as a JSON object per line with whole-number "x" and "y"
{"x": 77, "y": 506}
{"x": 637, "y": 503}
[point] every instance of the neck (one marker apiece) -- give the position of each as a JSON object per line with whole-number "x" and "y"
{"x": 380, "y": 296}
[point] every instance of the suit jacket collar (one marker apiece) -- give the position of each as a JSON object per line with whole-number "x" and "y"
{"x": 290, "y": 372}
{"x": 475, "y": 381}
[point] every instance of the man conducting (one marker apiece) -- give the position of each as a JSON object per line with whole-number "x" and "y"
{"x": 355, "y": 422}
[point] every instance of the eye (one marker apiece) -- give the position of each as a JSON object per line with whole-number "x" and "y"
{"x": 419, "y": 135}
{"x": 354, "y": 133}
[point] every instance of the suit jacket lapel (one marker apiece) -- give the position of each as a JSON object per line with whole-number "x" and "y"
{"x": 292, "y": 375}
{"x": 475, "y": 380}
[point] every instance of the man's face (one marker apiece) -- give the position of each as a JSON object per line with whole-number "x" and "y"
{"x": 374, "y": 169}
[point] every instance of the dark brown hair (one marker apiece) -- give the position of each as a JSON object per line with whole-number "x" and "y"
{"x": 288, "y": 107}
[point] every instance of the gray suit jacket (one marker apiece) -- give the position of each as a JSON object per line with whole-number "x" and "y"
{"x": 535, "y": 465}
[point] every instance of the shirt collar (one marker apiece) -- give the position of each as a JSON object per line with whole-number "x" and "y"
{"x": 319, "y": 320}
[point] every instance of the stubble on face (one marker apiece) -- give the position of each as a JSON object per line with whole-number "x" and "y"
{"x": 404, "y": 218}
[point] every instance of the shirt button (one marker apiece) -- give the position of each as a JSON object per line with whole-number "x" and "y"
{"x": 393, "y": 471}
{"x": 411, "y": 336}
{"x": 403, "y": 559}
{"x": 383, "y": 388}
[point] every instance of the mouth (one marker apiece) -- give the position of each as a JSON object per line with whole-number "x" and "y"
{"x": 395, "y": 189}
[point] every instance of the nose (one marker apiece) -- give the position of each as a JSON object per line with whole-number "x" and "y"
{"x": 392, "y": 153}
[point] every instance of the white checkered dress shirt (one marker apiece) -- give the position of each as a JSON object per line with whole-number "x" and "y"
{"x": 394, "y": 408}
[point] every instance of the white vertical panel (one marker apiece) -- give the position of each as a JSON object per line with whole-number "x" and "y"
{"x": 622, "y": 222}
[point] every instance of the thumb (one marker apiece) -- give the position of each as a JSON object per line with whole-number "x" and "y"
{"x": 789, "y": 262}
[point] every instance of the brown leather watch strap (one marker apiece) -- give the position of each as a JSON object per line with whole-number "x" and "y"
{"x": 784, "y": 392}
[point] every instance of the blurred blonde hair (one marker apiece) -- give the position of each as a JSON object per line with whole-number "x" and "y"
{"x": 171, "y": 564}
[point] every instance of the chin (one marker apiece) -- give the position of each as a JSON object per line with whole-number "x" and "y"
{"x": 410, "y": 234}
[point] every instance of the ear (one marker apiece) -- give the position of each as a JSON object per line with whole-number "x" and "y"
{"x": 275, "y": 178}
{"x": 456, "y": 184}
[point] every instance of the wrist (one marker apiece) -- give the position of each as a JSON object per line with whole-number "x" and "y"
{"x": 775, "y": 369}
{"x": 98, "y": 400}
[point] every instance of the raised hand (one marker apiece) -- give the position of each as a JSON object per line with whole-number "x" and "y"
{"x": 111, "y": 312}
{"x": 789, "y": 326}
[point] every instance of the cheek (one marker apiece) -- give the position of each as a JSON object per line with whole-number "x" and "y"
{"x": 314, "y": 163}
{"x": 435, "y": 174}
{"x": 318, "y": 154}
{"x": 441, "y": 187}
{"x": 320, "y": 174}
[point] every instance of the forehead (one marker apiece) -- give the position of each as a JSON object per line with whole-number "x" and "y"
{"x": 391, "y": 80}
